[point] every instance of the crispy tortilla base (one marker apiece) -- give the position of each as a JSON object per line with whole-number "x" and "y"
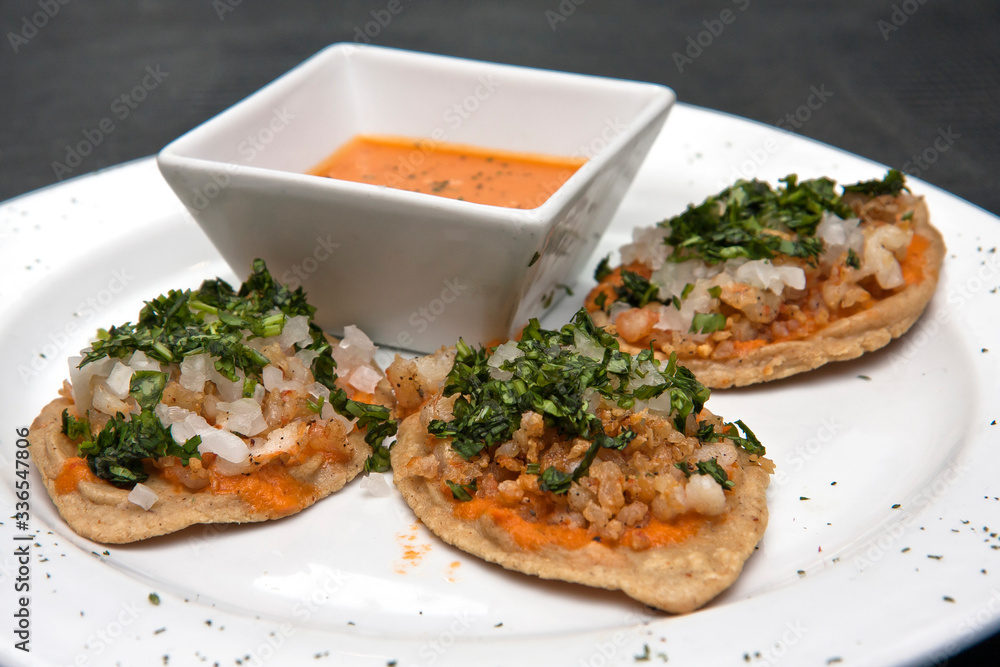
{"x": 843, "y": 339}
{"x": 103, "y": 513}
{"x": 676, "y": 578}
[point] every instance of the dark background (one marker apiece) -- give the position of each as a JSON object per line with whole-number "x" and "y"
{"x": 899, "y": 73}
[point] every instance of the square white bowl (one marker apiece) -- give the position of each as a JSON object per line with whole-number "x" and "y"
{"x": 413, "y": 270}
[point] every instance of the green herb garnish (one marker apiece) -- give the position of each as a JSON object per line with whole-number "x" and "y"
{"x": 711, "y": 468}
{"x": 707, "y": 323}
{"x": 118, "y": 451}
{"x": 637, "y": 291}
{"x": 463, "y": 492}
{"x": 74, "y": 428}
{"x": 853, "y": 260}
{"x": 603, "y": 269}
{"x": 892, "y": 184}
{"x": 753, "y": 220}
{"x": 211, "y": 320}
{"x": 555, "y": 379}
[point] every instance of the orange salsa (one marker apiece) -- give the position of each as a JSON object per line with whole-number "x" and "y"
{"x": 456, "y": 171}
{"x": 533, "y": 536}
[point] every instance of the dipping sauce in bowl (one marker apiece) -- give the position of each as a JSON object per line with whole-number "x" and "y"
{"x": 457, "y": 171}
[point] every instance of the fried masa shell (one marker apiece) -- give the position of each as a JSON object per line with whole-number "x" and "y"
{"x": 841, "y": 340}
{"x": 99, "y": 511}
{"x": 676, "y": 577}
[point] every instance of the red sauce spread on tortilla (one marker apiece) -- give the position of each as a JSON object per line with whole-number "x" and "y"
{"x": 532, "y": 535}
{"x": 74, "y": 470}
{"x": 456, "y": 171}
{"x": 916, "y": 259}
{"x": 270, "y": 489}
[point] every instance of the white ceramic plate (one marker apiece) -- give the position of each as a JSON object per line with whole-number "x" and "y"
{"x": 881, "y": 547}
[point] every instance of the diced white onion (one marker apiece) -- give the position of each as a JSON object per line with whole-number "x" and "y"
{"x": 227, "y": 445}
{"x": 170, "y": 414}
{"x": 587, "y": 346}
{"x": 143, "y": 496}
{"x": 761, "y": 273}
{"x": 229, "y": 390}
{"x": 243, "y": 416}
{"x": 296, "y": 330}
{"x": 704, "y": 495}
{"x": 647, "y": 247}
{"x": 365, "y": 378}
{"x": 660, "y": 404}
{"x": 194, "y": 371}
{"x": 307, "y": 356}
{"x": 838, "y": 235}
{"x": 317, "y": 390}
{"x": 80, "y": 378}
{"x": 277, "y": 441}
{"x": 375, "y": 485}
{"x": 356, "y": 338}
{"x": 107, "y": 402}
{"x": 140, "y": 362}
{"x": 651, "y": 376}
{"x": 356, "y": 349}
{"x": 274, "y": 380}
{"x": 120, "y": 379}
{"x": 881, "y": 247}
{"x": 506, "y": 352}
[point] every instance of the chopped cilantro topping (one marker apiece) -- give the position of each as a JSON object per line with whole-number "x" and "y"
{"x": 463, "y": 492}
{"x": 751, "y": 219}
{"x": 853, "y": 260}
{"x": 707, "y": 323}
{"x": 118, "y": 451}
{"x": 636, "y": 290}
{"x": 603, "y": 269}
{"x": 211, "y": 320}
{"x": 893, "y": 183}
{"x": 554, "y": 378}
{"x": 74, "y": 428}
{"x": 711, "y": 468}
